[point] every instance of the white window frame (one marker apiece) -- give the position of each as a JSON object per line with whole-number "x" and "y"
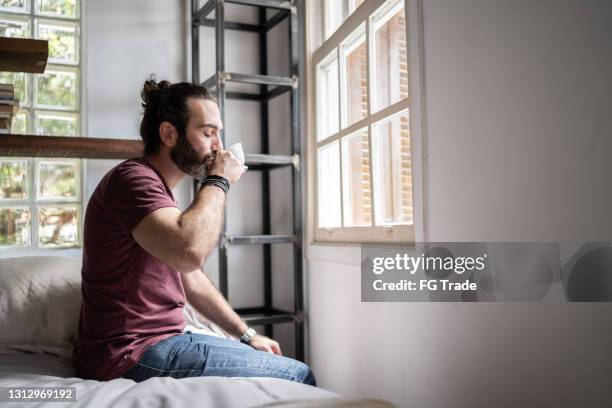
{"x": 32, "y": 203}
{"x": 318, "y": 49}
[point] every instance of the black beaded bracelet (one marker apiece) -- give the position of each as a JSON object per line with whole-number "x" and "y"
{"x": 218, "y": 181}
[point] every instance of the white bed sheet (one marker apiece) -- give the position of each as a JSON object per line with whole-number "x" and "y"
{"x": 42, "y": 370}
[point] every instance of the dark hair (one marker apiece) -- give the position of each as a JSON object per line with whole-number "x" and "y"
{"x": 165, "y": 101}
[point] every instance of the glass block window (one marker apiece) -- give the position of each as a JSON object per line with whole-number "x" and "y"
{"x": 40, "y": 198}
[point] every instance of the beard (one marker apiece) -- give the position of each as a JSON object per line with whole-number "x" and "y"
{"x": 186, "y": 158}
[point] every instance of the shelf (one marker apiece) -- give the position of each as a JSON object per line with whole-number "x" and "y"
{"x": 23, "y": 55}
{"x": 257, "y": 239}
{"x": 253, "y": 28}
{"x": 285, "y": 7}
{"x": 268, "y": 161}
{"x": 255, "y": 316}
{"x": 280, "y": 84}
{"x": 228, "y": 25}
{"x": 99, "y": 148}
{"x": 276, "y": 4}
{"x": 261, "y": 88}
{"x": 74, "y": 147}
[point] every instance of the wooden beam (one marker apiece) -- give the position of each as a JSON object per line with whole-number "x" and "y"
{"x": 23, "y": 55}
{"x": 75, "y": 147}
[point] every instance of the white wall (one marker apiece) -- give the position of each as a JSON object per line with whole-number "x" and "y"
{"x": 517, "y": 104}
{"x": 124, "y": 43}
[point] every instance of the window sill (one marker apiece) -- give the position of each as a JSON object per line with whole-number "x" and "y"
{"x": 397, "y": 234}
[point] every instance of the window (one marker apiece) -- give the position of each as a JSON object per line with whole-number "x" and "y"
{"x": 335, "y": 12}
{"x": 40, "y": 199}
{"x": 363, "y": 180}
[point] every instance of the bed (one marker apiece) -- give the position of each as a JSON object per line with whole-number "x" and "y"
{"x": 44, "y": 370}
{"x": 39, "y": 305}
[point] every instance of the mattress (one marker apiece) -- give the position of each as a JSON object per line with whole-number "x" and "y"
{"x": 43, "y": 370}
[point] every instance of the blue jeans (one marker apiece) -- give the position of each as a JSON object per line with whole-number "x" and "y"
{"x": 193, "y": 355}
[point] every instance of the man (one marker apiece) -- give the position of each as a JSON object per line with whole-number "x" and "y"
{"x": 142, "y": 256}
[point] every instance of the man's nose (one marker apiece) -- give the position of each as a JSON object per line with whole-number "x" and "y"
{"x": 217, "y": 143}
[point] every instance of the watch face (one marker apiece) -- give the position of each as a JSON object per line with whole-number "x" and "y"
{"x": 246, "y": 337}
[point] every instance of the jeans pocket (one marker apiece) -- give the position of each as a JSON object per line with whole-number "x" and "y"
{"x": 157, "y": 355}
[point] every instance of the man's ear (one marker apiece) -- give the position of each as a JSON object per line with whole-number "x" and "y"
{"x": 168, "y": 134}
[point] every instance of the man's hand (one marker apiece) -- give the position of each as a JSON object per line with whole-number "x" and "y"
{"x": 226, "y": 164}
{"x": 206, "y": 299}
{"x": 263, "y": 343}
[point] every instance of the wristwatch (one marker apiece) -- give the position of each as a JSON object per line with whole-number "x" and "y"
{"x": 247, "y": 336}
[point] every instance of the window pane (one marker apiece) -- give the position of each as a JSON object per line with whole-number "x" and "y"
{"x": 392, "y": 171}
{"x": 14, "y": 226}
{"x": 57, "y": 89}
{"x": 20, "y": 123}
{"x": 390, "y": 74}
{"x": 14, "y": 27}
{"x": 14, "y": 5}
{"x": 63, "y": 8}
{"x": 56, "y": 124}
{"x": 62, "y": 41}
{"x": 328, "y": 102}
{"x": 335, "y": 13}
{"x": 13, "y": 179}
{"x": 353, "y": 4}
{"x": 354, "y": 78}
{"x": 58, "y": 226}
{"x": 328, "y": 182}
{"x": 18, "y": 79}
{"x": 57, "y": 179}
{"x": 357, "y": 194}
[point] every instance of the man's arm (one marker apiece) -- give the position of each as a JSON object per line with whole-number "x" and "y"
{"x": 206, "y": 299}
{"x": 185, "y": 240}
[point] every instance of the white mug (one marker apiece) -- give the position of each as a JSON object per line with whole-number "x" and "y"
{"x": 236, "y": 149}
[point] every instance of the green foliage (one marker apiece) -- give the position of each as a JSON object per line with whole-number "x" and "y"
{"x": 57, "y": 180}
{"x": 13, "y": 179}
{"x": 14, "y": 223}
{"x": 12, "y": 28}
{"x": 52, "y": 126}
{"x": 62, "y": 42}
{"x": 13, "y": 3}
{"x": 58, "y": 89}
{"x": 20, "y": 123}
{"x": 64, "y": 8}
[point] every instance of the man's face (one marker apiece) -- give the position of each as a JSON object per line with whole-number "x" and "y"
{"x": 195, "y": 150}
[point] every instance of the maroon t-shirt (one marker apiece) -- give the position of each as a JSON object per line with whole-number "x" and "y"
{"x": 131, "y": 300}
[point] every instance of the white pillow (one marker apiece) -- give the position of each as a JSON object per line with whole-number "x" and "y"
{"x": 40, "y": 301}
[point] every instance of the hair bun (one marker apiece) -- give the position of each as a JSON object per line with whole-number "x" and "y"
{"x": 152, "y": 91}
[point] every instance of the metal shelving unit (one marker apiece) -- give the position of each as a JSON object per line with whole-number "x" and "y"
{"x": 269, "y": 87}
